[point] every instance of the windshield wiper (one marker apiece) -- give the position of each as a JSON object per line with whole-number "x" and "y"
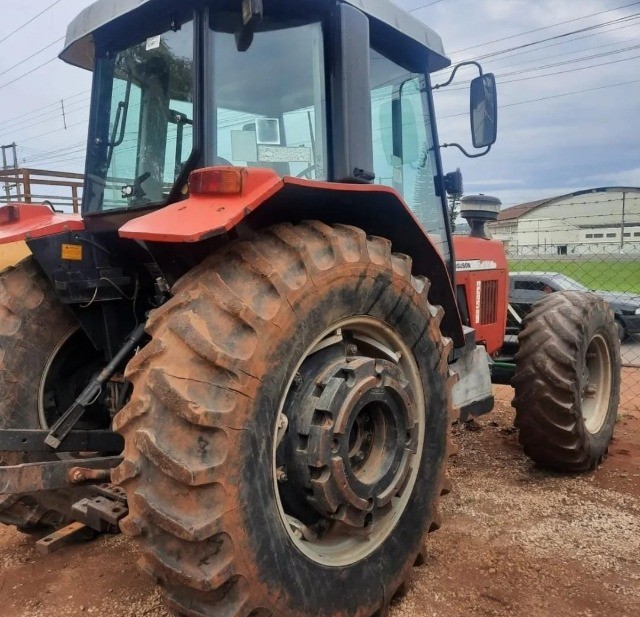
{"x": 119, "y": 124}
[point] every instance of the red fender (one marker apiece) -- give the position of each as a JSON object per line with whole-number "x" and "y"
{"x": 27, "y": 221}
{"x": 203, "y": 216}
{"x": 266, "y": 198}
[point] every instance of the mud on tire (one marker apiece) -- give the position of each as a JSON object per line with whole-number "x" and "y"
{"x": 32, "y": 324}
{"x": 567, "y": 381}
{"x": 199, "y": 429}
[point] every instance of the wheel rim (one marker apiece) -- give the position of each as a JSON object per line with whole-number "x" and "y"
{"x": 596, "y": 384}
{"x": 348, "y": 441}
{"x": 52, "y": 403}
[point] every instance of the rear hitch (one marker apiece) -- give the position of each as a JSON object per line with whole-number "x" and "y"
{"x": 78, "y": 475}
{"x": 104, "y": 511}
{"x": 101, "y": 512}
{"x": 50, "y": 475}
{"x": 33, "y": 440}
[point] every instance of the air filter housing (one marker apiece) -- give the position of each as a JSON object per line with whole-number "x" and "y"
{"x": 478, "y": 210}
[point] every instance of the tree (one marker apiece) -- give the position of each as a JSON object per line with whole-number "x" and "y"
{"x": 453, "y": 203}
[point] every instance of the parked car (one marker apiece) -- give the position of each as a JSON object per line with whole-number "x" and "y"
{"x": 526, "y": 288}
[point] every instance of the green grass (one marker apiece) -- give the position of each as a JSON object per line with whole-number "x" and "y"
{"x": 605, "y": 274}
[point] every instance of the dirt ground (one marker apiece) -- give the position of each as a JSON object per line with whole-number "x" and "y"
{"x": 516, "y": 541}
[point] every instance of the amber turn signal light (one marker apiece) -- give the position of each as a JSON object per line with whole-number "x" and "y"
{"x": 216, "y": 181}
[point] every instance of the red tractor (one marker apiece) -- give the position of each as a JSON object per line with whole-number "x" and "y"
{"x": 264, "y": 245}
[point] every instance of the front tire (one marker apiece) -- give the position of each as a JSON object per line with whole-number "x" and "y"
{"x": 265, "y": 349}
{"x": 567, "y": 381}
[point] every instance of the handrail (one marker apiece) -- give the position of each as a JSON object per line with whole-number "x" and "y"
{"x": 20, "y": 182}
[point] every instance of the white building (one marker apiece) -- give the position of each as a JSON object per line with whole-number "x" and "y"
{"x": 602, "y": 220}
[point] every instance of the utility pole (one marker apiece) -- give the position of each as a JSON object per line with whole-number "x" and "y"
{"x": 5, "y": 166}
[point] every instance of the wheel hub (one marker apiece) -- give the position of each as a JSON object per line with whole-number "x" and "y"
{"x": 355, "y": 431}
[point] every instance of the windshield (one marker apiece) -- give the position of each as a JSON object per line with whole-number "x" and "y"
{"x": 143, "y": 125}
{"x": 270, "y": 99}
{"x": 568, "y": 284}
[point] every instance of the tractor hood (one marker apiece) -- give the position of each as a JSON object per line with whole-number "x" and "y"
{"x": 79, "y": 48}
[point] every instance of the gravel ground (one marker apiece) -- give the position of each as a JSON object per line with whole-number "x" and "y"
{"x": 516, "y": 541}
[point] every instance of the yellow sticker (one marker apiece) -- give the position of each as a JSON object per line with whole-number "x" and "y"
{"x": 72, "y": 252}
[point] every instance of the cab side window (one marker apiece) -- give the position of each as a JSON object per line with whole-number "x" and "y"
{"x": 403, "y": 149}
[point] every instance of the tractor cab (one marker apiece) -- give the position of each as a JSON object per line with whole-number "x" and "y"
{"x": 324, "y": 91}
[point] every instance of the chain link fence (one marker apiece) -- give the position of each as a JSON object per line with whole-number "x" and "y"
{"x": 603, "y": 267}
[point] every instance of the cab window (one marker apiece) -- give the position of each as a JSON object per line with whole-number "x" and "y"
{"x": 270, "y": 100}
{"x": 404, "y": 156}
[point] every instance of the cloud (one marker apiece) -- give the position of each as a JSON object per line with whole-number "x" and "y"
{"x": 553, "y": 146}
{"x": 501, "y": 182}
{"x": 627, "y": 177}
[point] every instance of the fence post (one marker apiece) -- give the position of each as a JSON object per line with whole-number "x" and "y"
{"x": 74, "y": 196}
{"x": 624, "y": 195}
{"x": 26, "y": 184}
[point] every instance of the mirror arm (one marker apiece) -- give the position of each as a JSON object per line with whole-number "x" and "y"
{"x": 455, "y": 70}
{"x": 471, "y": 156}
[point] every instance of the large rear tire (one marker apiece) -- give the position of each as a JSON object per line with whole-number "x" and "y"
{"x": 567, "y": 381}
{"x": 36, "y": 330}
{"x": 313, "y": 328}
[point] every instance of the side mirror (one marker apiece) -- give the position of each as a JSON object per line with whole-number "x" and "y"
{"x": 484, "y": 111}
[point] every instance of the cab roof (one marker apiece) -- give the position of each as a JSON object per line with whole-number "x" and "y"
{"x": 79, "y": 46}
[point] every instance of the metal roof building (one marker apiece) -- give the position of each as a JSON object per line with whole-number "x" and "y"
{"x": 605, "y": 219}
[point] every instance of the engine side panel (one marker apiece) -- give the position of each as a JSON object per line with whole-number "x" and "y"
{"x": 481, "y": 270}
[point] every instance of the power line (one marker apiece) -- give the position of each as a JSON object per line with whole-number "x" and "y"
{"x": 579, "y": 38}
{"x": 580, "y": 68}
{"x": 39, "y": 109}
{"x": 56, "y": 130}
{"x": 554, "y": 96}
{"x": 13, "y": 81}
{"x": 26, "y": 23}
{"x": 67, "y": 150}
{"x": 556, "y": 37}
{"x": 424, "y": 6}
{"x": 500, "y": 52}
{"x": 28, "y": 124}
{"x": 574, "y": 61}
{"x": 33, "y": 55}
{"x": 560, "y": 23}
{"x": 556, "y": 64}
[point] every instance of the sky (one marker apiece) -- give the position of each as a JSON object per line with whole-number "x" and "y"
{"x": 569, "y": 115}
